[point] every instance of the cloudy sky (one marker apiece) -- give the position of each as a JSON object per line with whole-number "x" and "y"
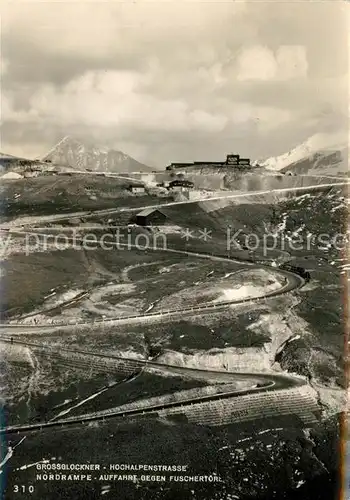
{"x": 173, "y": 80}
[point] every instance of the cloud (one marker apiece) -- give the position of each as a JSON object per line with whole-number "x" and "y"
{"x": 291, "y": 62}
{"x": 113, "y": 99}
{"x": 261, "y": 63}
{"x": 173, "y": 78}
{"x": 3, "y": 66}
{"x": 256, "y": 63}
{"x": 328, "y": 140}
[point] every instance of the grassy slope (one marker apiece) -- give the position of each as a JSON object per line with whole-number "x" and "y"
{"x": 268, "y": 466}
{"x": 267, "y": 470}
{"x": 30, "y": 278}
{"x": 59, "y": 387}
{"x": 54, "y": 385}
{"x": 144, "y": 386}
{"x": 321, "y": 305}
{"x": 54, "y": 194}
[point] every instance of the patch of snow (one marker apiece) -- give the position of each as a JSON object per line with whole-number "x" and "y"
{"x": 281, "y": 227}
{"x": 270, "y": 430}
{"x": 150, "y": 308}
{"x": 341, "y": 205}
{"x": 68, "y": 410}
{"x": 9, "y": 454}
{"x": 227, "y": 275}
{"x": 297, "y": 337}
{"x": 28, "y": 466}
{"x": 168, "y": 229}
{"x": 297, "y": 231}
{"x": 12, "y": 175}
{"x": 246, "y": 291}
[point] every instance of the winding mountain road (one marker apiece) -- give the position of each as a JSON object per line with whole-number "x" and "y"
{"x": 261, "y": 383}
{"x": 266, "y": 382}
{"x": 293, "y": 281}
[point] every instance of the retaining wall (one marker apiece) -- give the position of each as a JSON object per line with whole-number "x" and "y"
{"x": 299, "y": 401}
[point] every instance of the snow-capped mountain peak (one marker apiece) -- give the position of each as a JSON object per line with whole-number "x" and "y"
{"x": 80, "y": 155}
{"x": 326, "y": 154}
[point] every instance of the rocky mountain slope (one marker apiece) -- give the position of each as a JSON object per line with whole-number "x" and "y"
{"x": 318, "y": 155}
{"x": 84, "y": 156}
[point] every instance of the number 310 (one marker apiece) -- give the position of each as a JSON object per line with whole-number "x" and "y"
{"x": 23, "y": 488}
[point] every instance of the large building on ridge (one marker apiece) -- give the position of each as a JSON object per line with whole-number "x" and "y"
{"x": 232, "y": 161}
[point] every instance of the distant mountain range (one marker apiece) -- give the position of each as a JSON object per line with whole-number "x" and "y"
{"x": 10, "y": 163}
{"x": 9, "y": 160}
{"x": 319, "y": 155}
{"x": 70, "y": 152}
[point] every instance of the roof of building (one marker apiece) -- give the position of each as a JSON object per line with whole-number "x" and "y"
{"x": 149, "y": 211}
{"x": 181, "y": 182}
{"x": 208, "y": 162}
{"x": 194, "y": 164}
{"x": 232, "y": 160}
{"x": 137, "y": 185}
{"x": 182, "y": 163}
